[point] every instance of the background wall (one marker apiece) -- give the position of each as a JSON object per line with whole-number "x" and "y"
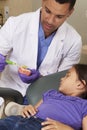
{"x": 15, "y": 7}
{"x": 35, "y": 4}
{"x": 79, "y": 19}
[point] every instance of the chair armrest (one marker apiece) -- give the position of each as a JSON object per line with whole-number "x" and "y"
{"x": 10, "y": 93}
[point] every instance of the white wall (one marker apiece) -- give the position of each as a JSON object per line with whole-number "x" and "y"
{"x": 36, "y": 4}
{"x": 79, "y": 19}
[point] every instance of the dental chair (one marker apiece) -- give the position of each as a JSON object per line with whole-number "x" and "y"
{"x": 10, "y": 94}
{"x": 36, "y": 89}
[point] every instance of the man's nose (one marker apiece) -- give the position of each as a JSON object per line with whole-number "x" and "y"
{"x": 51, "y": 19}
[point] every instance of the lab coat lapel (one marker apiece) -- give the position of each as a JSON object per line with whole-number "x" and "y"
{"x": 34, "y": 25}
{"x": 54, "y": 52}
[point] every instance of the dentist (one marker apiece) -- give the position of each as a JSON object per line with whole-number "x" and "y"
{"x": 41, "y": 40}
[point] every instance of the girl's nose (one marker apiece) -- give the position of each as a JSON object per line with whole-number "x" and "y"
{"x": 62, "y": 78}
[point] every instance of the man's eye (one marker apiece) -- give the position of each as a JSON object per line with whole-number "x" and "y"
{"x": 60, "y": 17}
{"x": 48, "y": 11}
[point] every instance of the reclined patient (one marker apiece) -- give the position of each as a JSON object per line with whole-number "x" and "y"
{"x": 63, "y": 109}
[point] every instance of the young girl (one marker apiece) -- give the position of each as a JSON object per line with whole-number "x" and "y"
{"x": 68, "y": 105}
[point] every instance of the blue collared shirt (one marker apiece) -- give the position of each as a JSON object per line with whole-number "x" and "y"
{"x": 43, "y": 44}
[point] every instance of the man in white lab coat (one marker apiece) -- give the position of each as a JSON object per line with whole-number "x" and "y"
{"x": 41, "y": 40}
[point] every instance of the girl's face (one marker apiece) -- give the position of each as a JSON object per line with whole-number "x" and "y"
{"x": 69, "y": 83}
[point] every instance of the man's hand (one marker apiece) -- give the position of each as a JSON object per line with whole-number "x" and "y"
{"x": 31, "y": 78}
{"x": 2, "y": 62}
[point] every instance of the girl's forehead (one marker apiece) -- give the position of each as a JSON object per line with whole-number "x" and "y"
{"x": 71, "y": 70}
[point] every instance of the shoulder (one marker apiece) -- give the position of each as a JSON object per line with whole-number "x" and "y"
{"x": 50, "y": 92}
{"x": 70, "y": 37}
{"x": 68, "y": 31}
{"x": 22, "y": 22}
{"x": 23, "y": 18}
{"x": 71, "y": 30}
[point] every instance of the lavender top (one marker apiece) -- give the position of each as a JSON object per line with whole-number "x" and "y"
{"x": 66, "y": 109}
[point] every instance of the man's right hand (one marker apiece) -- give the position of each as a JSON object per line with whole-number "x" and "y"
{"x": 2, "y": 62}
{"x": 29, "y": 78}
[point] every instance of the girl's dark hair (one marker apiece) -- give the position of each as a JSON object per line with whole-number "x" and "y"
{"x": 81, "y": 70}
{"x": 72, "y": 2}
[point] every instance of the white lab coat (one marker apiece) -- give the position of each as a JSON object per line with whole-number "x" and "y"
{"x": 19, "y": 40}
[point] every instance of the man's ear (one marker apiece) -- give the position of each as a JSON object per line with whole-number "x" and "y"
{"x": 70, "y": 12}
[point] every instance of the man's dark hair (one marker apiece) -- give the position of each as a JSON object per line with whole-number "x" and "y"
{"x": 1, "y": 19}
{"x": 72, "y": 2}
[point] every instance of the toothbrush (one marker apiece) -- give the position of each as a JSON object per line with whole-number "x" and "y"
{"x": 13, "y": 63}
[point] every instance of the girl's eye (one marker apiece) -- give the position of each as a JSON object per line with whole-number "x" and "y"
{"x": 67, "y": 75}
